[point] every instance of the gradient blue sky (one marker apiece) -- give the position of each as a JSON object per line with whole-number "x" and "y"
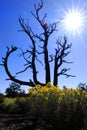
{"x": 10, "y": 10}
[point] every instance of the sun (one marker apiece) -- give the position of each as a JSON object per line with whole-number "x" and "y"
{"x": 73, "y": 21}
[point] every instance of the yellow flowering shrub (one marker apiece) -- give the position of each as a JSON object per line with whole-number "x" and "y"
{"x": 59, "y": 107}
{"x": 51, "y": 91}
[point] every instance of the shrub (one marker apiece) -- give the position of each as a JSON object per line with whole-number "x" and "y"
{"x": 63, "y": 109}
{"x": 21, "y": 105}
{"x": 1, "y": 98}
{"x": 7, "y": 104}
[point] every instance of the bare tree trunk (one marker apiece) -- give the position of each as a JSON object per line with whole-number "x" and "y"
{"x": 47, "y": 66}
{"x": 55, "y": 80}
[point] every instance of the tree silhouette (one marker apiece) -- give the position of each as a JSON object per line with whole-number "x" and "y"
{"x": 61, "y": 51}
{"x": 14, "y": 90}
{"x": 83, "y": 86}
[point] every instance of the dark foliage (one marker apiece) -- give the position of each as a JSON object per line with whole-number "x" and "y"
{"x": 14, "y": 90}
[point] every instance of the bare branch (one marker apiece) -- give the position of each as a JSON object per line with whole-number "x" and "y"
{"x": 52, "y": 28}
{"x": 11, "y": 77}
{"x": 51, "y": 58}
{"x": 67, "y": 62}
{"x": 27, "y": 29}
{"x": 23, "y": 70}
{"x": 23, "y": 54}
{"x": 43, "y": 19}
{"x": 37, "y": 10}
{"x": 2, "y": 64}
{"x": 63, "y": 72}
{"x": 39, "y": 61}
{"x": 39, "y": 37}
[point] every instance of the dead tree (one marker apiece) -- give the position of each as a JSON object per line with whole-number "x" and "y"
{"x": 60, "y": 53}
{"x": 57, "y": 58}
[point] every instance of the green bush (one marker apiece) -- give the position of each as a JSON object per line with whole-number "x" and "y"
{"x": 18, "y": 105}
{"x": 1, "y": 98}
{"x": 7, "y": 104}
{"x": 21, "y": 105}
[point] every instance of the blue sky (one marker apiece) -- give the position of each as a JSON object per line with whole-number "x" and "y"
{"x": 10, "y": 10}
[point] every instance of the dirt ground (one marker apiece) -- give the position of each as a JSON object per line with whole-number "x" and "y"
{"x": 16, "y": 122}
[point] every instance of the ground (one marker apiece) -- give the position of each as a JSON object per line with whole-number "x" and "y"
{"x": 16, "y": 122}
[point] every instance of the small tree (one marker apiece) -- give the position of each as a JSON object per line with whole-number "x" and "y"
{"x": 83, "y": 86}
{"x": 58, "y": 58}
{"x": 14, "y": 90}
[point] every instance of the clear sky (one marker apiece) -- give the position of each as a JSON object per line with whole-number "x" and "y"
{"x": 10, "y": 10}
